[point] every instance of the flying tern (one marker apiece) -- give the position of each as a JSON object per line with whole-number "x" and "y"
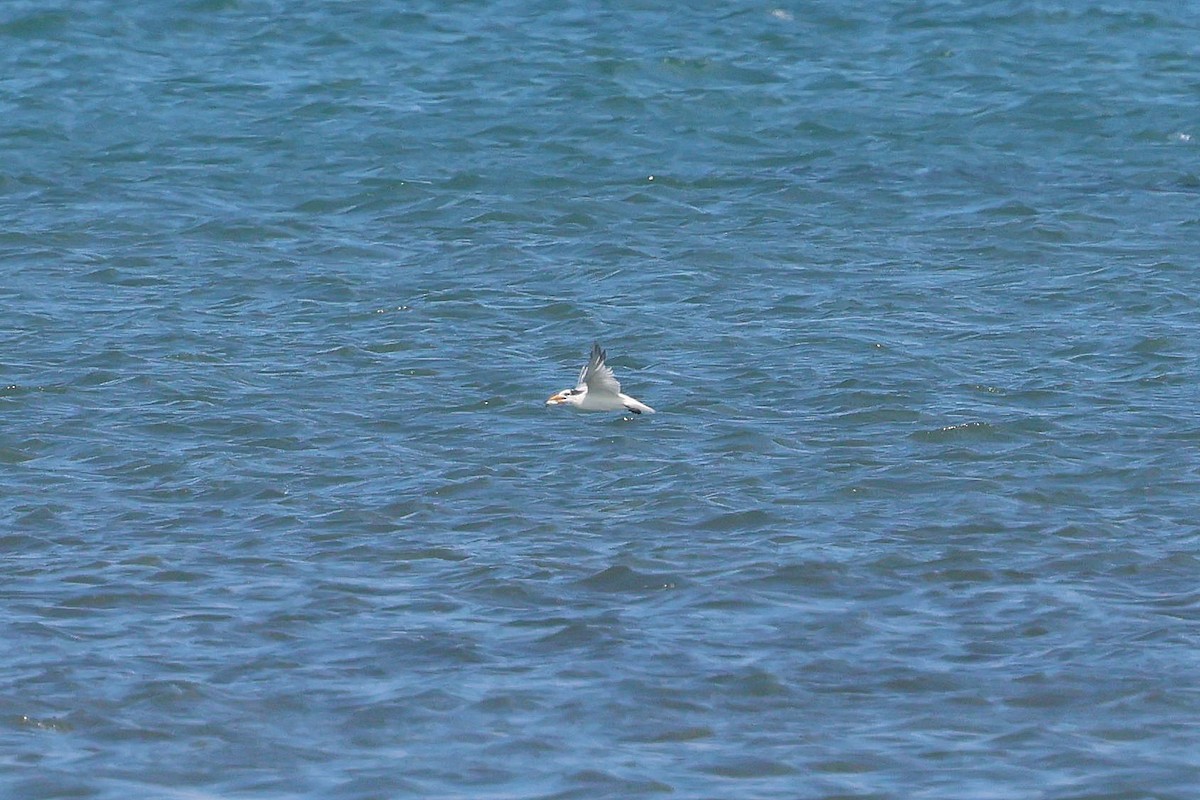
{"x": 598, "y": 389}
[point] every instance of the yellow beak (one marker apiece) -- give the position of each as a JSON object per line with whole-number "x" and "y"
{"x": 555, "y": 399}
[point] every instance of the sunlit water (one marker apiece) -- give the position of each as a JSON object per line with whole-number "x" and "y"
{"x": 913, "y": 287}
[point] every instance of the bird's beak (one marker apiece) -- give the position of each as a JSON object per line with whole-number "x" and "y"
{"x": 555, "y": 399}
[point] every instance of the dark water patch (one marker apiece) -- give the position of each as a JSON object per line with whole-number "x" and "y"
{"x": 587, "y": 783}
{"x": 747, "y": 521}
{"x": 620, "y": 578}
{"x": 750, "y": 768}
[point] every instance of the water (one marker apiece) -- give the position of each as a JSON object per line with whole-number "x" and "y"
{"x": 912, "y": 285}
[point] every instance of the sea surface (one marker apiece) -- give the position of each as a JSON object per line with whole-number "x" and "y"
{"x": 915, "y": 290}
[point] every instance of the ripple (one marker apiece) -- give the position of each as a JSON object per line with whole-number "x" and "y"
{"x": 623, "y": 579}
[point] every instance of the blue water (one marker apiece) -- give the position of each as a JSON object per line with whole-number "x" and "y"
{"x": 912, "y": 285}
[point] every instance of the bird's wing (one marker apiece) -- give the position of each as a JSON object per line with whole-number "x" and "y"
{"x": 596, "y": 376}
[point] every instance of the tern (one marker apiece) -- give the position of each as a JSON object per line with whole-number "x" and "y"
{"x": 598, "y": 389}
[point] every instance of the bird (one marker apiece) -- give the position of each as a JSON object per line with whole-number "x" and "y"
{"x": 598, "y": 389}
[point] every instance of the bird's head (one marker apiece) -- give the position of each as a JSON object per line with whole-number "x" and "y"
{"x": 567, "y": 397}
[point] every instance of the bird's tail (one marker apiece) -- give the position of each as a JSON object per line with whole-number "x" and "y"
{"x": 636, "y": 406}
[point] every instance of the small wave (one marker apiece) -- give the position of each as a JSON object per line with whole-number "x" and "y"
{"x": 961, "y": 430}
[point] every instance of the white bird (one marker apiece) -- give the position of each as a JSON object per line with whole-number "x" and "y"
{"x": 598, "y": 390}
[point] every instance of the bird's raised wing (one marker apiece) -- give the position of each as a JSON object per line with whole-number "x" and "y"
{"x": 596, "y": 376}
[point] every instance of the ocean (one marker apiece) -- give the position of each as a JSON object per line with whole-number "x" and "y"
{"x": 913, "y": 287}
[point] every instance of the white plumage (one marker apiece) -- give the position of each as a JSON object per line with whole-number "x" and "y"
{"x": 598, "y": 389}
